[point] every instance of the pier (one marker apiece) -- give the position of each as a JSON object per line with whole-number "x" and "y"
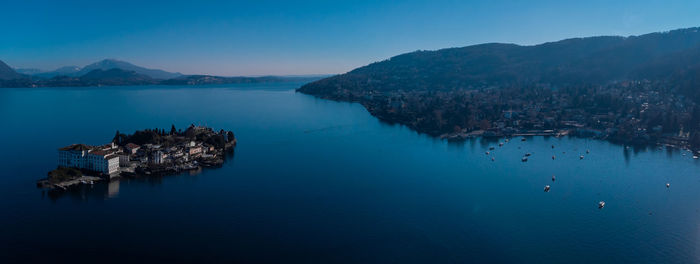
{"x": 64, "y": 185}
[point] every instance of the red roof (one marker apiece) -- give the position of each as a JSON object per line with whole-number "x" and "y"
{"x": 77, "y": 147}
{"x": 103, "y": 152}
{"x": 99, "y": 152}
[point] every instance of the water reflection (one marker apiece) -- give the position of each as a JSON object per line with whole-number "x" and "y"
{"x": 113, "y": 188}
{"x": 82, "y": 192}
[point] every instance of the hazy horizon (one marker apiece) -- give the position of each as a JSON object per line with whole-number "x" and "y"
{"x": 310, "y": 38}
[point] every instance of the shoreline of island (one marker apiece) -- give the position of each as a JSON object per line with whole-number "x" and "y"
{"x": 145, "y": 153}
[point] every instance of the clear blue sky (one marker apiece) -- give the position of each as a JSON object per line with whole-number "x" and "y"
{"x": 285, "y": 37}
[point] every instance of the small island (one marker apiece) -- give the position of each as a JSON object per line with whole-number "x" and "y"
{"x": 144, "y": 153}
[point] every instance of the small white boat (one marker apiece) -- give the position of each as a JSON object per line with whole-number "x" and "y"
{"x": 668, "y": 185}
{"x": 493, "y": 159}
{"x": 554, "y": 157}
{"x": 588, "y": 151}
{"x": 500, "y": 144}
{"x": 546, "y": 188}
{"x": 695, "y": 156}
{"x": 524, "y": 159}
{"x": 523, "y": 139}
{"x": 487, "y": 153}
{"x": 601, "y": 204}
{"x": 580, "y": 157}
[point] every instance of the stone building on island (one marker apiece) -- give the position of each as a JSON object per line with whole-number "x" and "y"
{"x": 102, "y": 159}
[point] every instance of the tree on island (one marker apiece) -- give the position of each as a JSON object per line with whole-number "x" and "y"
{"x": 117, "y": 138}
{"x": 230, "y": 137}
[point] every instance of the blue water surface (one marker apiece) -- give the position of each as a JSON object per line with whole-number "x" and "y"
{"x": 318, "y": 181}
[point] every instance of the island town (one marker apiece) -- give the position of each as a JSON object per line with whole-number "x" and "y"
{"x": 148, "y": 152}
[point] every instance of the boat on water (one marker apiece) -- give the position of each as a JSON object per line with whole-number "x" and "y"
{"x": 668, "y": 185}
{"x": 492, "y": 148}
{"x": 524, "y": 159}
{"x": 546, "y": 188}
{"x": 528, "y": 154}
{"x": 487, "y": 153}
{"x": 580, "y": 157}
{"x": 500, "y": 144}
{"x": 523, "y": 139}
{"x": 601, "y": 204}
{"x": 554, "y": 157}
{"x": 695, "y": 156}
{"x": 554, "y": 178}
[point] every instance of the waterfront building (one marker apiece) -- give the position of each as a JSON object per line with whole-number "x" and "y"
{"x": 81, "y": 156}
{"x": 73, "y": 156}
{"x": 106, "y": 162}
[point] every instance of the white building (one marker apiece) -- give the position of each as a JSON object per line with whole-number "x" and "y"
{"x": 102, "y": 161}
{"x": 85, "y": 157}
{"x": 73, "y": 156}
{"x": 158, "y": 157}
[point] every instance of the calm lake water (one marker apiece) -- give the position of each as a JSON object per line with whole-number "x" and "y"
{"x": 318, "y": 181}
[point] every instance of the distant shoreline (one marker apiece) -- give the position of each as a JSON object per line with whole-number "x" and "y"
{"x": 60, "y": 82}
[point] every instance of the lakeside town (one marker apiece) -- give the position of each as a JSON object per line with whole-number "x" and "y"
{"x": 630, "y": 112}
{"x": 143, "y": 153}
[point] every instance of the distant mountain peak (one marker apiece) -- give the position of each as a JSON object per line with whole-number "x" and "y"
{"x": 110, "y": 63}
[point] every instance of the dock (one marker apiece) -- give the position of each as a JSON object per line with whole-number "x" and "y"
{"x": 64, "y": 185}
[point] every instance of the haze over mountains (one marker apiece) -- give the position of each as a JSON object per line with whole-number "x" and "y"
{"x": 116, "y": 64}
{"x": 107, "y": 64}
{"x": 114, "y": 72}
